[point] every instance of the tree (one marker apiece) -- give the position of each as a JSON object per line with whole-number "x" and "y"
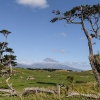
{"x": 7, "y": 59}
{"x": 82, "y": 15}
{"x": 3, "y": 45}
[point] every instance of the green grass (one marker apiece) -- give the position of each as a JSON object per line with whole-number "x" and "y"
{"x": 84, "y": 82}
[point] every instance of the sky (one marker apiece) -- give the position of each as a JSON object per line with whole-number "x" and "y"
{"x": 35, "y": 38}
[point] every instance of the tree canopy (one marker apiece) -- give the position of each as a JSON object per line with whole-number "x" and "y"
{"x": 79, "y": 14}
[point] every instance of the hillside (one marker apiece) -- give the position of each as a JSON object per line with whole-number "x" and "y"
{"x": 46, "y": 79}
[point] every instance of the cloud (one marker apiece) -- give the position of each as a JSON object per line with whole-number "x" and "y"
{"x": 34, "y": 3}
{"x": 63, "y": 34}
{"x": 59, "y": 51}
{"x": 79, "y": 65}
{"x": 25, "y": 62}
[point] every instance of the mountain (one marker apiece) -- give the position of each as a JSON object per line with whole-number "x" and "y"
{"x": 48, "y": 63}
{"x": 50, "y": 60}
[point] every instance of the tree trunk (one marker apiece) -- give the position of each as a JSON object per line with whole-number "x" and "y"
{"x": 10, "y": 68}
{"x": 91, "y": 58}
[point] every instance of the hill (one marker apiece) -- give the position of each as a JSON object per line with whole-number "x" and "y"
{"x": 22, "y": 78}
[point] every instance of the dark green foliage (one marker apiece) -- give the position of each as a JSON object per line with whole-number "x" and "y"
{"x": 54, "y": 19}
{"x": 97, "y": 62}
{"x": 45, "y": 69}
{"x": 86, "y": 12}
{"x": 9, "y": 50}
{"x": 5, "y": 32}
{"x": 56, "y": 12}
{"x": 70, "y": 79}
{"x": 3, "y": 45}
{"x": 80, "y": 82}
{"x": 9, "y": 58}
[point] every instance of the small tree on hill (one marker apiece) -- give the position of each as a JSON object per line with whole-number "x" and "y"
{"x": 84, "y": 16}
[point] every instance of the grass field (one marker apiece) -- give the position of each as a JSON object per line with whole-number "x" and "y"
{"x": 83, "y": 82}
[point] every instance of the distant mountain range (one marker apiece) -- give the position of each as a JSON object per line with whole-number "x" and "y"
{"x": 48, "y": 63}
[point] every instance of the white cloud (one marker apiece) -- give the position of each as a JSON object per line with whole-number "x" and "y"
{"x": 59, "y": 51}
{"x": 25, "y": 62}
{"x": 63, "y": 51}
{"x": 63, "y": 34}
{"x": 28, "y": 62}
{"x": 34, "y": 3}
{"x": 79, "y": 65}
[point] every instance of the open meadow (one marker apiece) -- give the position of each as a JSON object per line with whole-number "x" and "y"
{"x": 77, "y": 82}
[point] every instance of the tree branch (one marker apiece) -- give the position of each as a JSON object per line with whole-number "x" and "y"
{"x": 92, "y": 96}
{"x": 94, "y": 26}
{"x": 83, "y": 26}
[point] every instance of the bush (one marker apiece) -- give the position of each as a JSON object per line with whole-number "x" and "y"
{"x": 80, "y": 82}
{"x": 70, "y": 79}
{"x": 97, "y": 62}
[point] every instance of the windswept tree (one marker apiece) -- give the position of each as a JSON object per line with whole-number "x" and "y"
{"x": 7, "y": 59}
{"x": 84, "y": 16}
{"x": 4, "y": 44}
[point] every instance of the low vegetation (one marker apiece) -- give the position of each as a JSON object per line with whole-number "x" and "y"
{"x": 76, "y": 82}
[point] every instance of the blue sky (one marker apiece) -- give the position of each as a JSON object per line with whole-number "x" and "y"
{"x": 34, "y": 38}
